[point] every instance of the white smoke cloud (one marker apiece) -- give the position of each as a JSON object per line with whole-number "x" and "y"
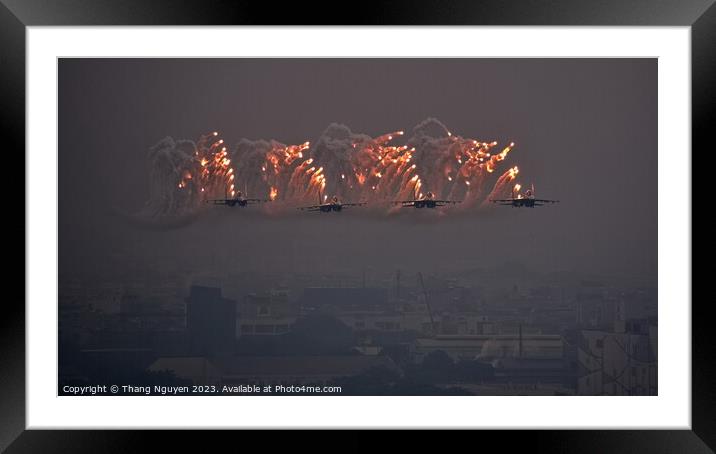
{"x": 353, "y": 166}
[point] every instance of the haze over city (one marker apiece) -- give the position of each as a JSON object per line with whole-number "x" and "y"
{"x": 584, "y": 132}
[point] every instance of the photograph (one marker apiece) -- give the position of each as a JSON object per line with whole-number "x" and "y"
{"x": 357, "y": 226}
{"x": 418, "y": 216}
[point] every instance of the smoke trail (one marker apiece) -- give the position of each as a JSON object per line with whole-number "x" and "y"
{"x": 170, "y": 161}
{"x": 503, "y": 186}
{"x": 353, "y": 166}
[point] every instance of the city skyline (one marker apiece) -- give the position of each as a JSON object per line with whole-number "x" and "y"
{"x": 158, "y": 287}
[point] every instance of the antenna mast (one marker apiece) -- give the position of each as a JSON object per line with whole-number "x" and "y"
{"x": 427, "y": 303}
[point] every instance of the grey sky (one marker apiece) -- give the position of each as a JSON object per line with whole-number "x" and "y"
{"x": 585, "y": 133}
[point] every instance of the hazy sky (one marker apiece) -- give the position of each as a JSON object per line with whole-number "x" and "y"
{"x": 585, "y": 133}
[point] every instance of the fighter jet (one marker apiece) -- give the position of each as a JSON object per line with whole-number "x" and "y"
{"x": 428, "y": 201}
{"x": 332, "y": 204}
{"x": 239, "y": 200}
{"x": 527, "y": 199}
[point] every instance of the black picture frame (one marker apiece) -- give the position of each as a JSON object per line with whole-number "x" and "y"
{"x": 16, "y": 15}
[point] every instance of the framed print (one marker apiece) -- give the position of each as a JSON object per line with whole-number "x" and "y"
{"x": 236, "y": 224}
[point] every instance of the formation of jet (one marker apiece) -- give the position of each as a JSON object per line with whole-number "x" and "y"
{"x": 333, "y": 204}
{"x": 428, "y": 201}
{"x": 517, "y": 200}
{"x": 239, "y": 200}
{"x": 523, "y": 200}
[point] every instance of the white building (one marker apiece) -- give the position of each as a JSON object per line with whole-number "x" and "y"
{"x": 623, "y": 362}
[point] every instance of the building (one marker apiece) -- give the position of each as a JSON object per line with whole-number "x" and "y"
{"x": 211, "y": 320}
{"x": 516, "y": 389}
{"x": 622, "y": 362}
{"x": 595, "y": 311}
{"x": 532, "y": 370}
{"x": 265, "y": 315}
{"x": 488, "y": 347}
